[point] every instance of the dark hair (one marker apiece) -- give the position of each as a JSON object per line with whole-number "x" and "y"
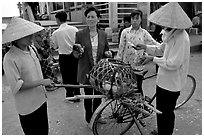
{"x": 62, "y": 16}
{"x": 14, "y": 43}
{"x": 89, "y": 9}
{"x": 127, "y": 18}
{"x": 136, "y": 12}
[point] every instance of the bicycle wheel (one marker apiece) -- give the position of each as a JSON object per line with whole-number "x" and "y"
{"x": 145, "y": 124}
{"x": 117, "y": 117}
{"x": 187, "y": 92}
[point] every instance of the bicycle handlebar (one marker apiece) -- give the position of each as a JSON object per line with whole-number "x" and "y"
{"x": 85, "y": 97}
{"x": 73, "y": 86}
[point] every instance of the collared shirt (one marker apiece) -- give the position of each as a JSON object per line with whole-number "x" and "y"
{"x": 129, "y": 38}
{"x": 64, "y": 38}
{"x": 94, "y": 42}
{"x": 23, "y": 66}
{"x": 174, "y": 65}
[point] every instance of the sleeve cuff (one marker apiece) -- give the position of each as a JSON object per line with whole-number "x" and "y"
{"x": 18, "y": 86}
{"x": 155, "y": 59}
{"x": 150, "y": 49}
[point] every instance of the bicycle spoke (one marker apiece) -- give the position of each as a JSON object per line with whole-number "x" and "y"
{"x": 117, "y": 118}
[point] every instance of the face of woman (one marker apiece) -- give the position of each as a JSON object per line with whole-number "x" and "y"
{"x": 135, "y": 21}
{"x": 92, "y": 19}
{"x": 26, "y": 41}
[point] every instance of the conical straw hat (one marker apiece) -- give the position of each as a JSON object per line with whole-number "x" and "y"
{"x": 19, "y": 28}
{"x": 171, "y": 15}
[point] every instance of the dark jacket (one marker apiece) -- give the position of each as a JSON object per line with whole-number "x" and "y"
{"x": 86, "y": 62}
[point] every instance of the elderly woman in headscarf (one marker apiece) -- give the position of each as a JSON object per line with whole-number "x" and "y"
{"x": 173, "y": 66}
{"x": 24, "y": 75}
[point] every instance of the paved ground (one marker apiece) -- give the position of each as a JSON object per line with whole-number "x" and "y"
{"x": 68, "y": 119}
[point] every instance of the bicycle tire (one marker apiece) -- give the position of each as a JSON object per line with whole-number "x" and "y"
{"x": 189, "y": 89}
{"x": 144, "y": 125}
{"x": 113, "y": 113}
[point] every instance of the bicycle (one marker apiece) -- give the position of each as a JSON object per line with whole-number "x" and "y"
{"x": 124, "y": 105}
{"x": 185, "y": 94}
{"x": 117, "y": 82}
{"x": 189, "y": 89}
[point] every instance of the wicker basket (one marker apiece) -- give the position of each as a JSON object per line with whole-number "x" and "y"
{"x": 113, "y": 78}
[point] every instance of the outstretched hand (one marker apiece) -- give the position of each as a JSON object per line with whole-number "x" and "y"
{"x": 140, "y": 46}
{"x": 147, "y": 59}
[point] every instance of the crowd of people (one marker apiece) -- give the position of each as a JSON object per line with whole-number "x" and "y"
{"x": 24, "y": 74}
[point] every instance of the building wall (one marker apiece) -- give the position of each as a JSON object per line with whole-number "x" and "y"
{"x": 111, "y": 15}
{"x": 113, "y": 12}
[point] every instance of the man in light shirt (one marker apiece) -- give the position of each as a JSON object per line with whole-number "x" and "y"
{"x": 64, "y": 39}
{"x": 173, "y": 66}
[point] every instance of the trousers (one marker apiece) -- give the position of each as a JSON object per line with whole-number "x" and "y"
{"x": 91, "y": 105}
{"x": 68, "y": 68}
{"x": 35, "y": 123}
{"x": 166, "y": 102}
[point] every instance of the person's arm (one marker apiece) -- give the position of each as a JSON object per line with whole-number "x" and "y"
{"x": 119, "y": 34}
{"x": 54, "y": 40}
{"x": 153, "y": 47}
{"x": 153, "y": 50}
{"x": 76, "y": 54}
{"x": 107, "y": 52}
{"x": 176, "y": 56}
{"x": 156, "y": 50}
{"x": 106, "y": 43}
{"x": 32, "y": 84}
{"x": 12, "y": 72}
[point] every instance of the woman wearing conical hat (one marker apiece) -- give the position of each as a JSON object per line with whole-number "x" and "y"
{"x": 24, "y": 75}
{"x": 173, "y": 66}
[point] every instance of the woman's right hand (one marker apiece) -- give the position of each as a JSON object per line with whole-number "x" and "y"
{"x": 47, "y": 82}
{"x": 140, "y": 46}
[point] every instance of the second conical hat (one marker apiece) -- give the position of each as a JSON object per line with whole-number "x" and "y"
{"x": 19, "y": 28}
{"x": 171, "y": 15}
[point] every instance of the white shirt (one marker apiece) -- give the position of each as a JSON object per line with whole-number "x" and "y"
{"x": 23, "y": 66}
{"x": 94, "y": 43}
{"x": 64, "y": 38}
{"x": 174, "y": 65}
